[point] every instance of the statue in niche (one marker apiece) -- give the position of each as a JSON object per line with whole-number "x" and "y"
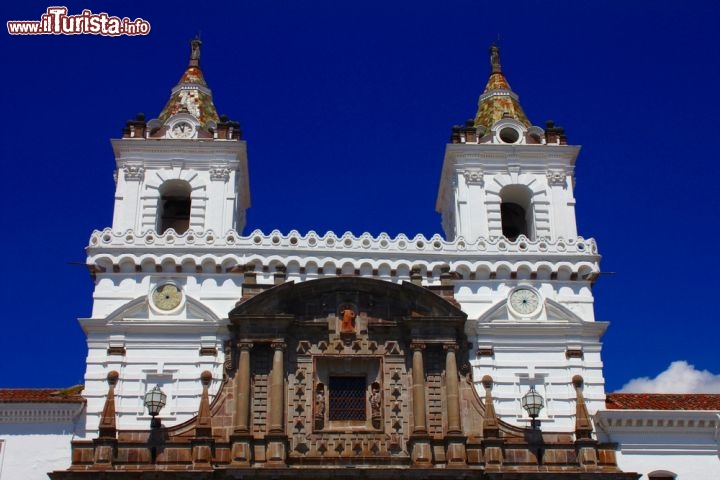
{"x": 347, "y": 317}
{"x": 319, "y": 406}
{"x": 375, "y": 404}
{"x": 228, "y": 362}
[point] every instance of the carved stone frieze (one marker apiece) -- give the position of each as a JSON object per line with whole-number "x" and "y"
{"x": 133, "y": 172}
{"x": 220, "y": 174}
{"x": 555, "y": 177}
{"x": 473, "y": 176}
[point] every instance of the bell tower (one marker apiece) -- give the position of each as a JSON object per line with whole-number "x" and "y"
{"x": 184, "y": 171}
{"x": 161, "y": 295}
{"x": 503, "y": 176}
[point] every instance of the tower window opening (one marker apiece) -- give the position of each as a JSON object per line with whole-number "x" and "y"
{"x": 509, "y": 135}
{"x": 516, "y": 212}
{"x": 347, "y": 398}
{"x": 513, "y": 220}
{"x": 174, "y": 207}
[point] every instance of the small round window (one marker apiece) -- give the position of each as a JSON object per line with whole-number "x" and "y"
{"x": 509, "y": 135}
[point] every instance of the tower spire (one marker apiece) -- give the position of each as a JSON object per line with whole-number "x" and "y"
{"x": 191, "y": 94}
{"x": 498, "y": 100}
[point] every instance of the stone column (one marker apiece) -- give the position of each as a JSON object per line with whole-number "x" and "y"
{"x": 419, "y": 442}
{"x": 242, "y": 389}
{"x": 418, "y": 388}
{"x": 276, "y": 439}
{"x": 242, "y": 437}
{"x": 454, "y": 440}
{"x": 277, "y": 389}
{"x": 451, "y": 389}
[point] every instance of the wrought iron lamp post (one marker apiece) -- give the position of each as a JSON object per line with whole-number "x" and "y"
{"x": 155, "y": 401}
{"x": 532, "y": 402}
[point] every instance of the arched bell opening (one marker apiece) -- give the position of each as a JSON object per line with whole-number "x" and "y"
{"x": 174, "y": 206}
{"x": 516, "y": 212}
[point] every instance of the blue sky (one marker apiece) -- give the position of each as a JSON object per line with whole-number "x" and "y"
{"x": 331, "y": 94}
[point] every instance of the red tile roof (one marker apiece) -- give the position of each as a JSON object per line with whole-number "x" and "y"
{"x": 662, "y": 401}
{"x": 42, "y": 395}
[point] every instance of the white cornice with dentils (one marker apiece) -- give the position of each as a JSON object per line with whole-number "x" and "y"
{"x": 123, "y": 146}
{"x": 40, "y": 412}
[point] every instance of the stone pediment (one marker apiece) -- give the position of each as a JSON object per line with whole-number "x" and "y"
{"x": 551, "y": 312}
{"x": 139, "y": 310}
{"x": 318, "y": 299}
{"x": 373, "y": 304}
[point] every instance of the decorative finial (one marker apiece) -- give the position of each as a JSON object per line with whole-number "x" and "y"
{"x": 583, "y": 425}
{"x": 107, "y": 428}
{"x": 495, "y": 59}
{"x": 195, "y": 45}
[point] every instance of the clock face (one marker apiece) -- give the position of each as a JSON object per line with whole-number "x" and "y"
{"x": 182, "y": 130}
{"x": 167, "y": 297}
{"x": 524, "y": 301}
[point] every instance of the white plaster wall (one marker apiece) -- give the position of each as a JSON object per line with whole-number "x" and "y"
{"x": 30, "y": 451}
{"x": 474, "y": 175}
{"x": 216, "y": 172}
{"x": 217, "y": 292}
{"x": 684, "y": 442}
{"x": 171, "y": 360}
{"x": 687, "y": 466}
{"x": 519, "y": 356}
{"x": 546, "y": 367}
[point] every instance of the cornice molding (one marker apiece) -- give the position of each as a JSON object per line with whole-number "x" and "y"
{"x": 295, "y": 242}
{"x": 38, "y": 412}
{"x": 566, "y": 260}
{"x": 122, "y": 147}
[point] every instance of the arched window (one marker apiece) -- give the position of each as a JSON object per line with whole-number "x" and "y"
{"x": 516, "y": 212}
{"x": 174, "y": 206}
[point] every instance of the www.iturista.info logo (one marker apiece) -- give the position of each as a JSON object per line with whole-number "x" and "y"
{"x": 56, "y": 21}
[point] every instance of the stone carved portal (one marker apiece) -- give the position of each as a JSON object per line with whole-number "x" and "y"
{"x": 300, "y": 393}
{"x": 348, "y": 365}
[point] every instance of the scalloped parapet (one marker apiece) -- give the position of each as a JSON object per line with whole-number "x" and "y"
{"x": 345, "y": 254}
{"x": 345, "y": 242}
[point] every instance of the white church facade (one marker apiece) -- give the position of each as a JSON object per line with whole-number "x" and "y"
{"x": 528, "y": 296}
{"x": 175, "y": 263}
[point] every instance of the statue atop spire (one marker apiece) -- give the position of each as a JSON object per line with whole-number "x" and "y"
{"x": 498, "y": 100}
{"x": 495, "y": 59}
{"x": 195, "y": 45}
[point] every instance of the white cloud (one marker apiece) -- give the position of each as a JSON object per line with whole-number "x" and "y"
{"x": 680, "y": 377}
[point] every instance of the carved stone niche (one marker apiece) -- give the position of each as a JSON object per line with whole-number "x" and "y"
{"x": 351, "y": 393}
